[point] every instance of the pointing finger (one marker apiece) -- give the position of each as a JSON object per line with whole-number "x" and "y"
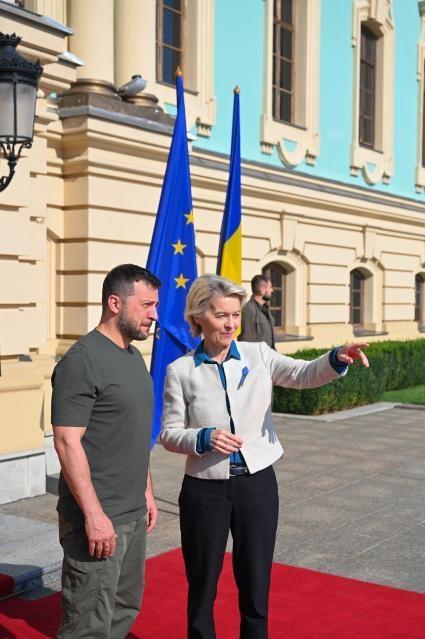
{"x": 364, "y": 359}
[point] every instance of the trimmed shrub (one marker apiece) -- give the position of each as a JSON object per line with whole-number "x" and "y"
{"x": 393, "y": 365}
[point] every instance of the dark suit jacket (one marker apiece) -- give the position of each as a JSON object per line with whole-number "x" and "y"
{"x": 256, "y": 326}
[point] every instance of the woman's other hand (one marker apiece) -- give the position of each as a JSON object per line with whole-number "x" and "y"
{"x": 222, "y": 441}
{"x": 349, "y": 352}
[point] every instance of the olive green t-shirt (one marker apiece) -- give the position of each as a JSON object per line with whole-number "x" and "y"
{"x": 107, "y": 389}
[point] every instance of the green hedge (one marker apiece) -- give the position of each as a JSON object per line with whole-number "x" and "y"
{"x": 393, "y": 365}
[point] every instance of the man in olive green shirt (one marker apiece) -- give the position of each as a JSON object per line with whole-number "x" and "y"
{"x": 257, "y": 321}
{"x": 102, "y": 407}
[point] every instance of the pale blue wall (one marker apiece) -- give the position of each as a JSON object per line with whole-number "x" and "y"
{"x": 407, "y": 22}
{"x": 239, "y": 58}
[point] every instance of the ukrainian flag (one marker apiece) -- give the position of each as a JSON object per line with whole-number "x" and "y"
{"x": 172, "y": 258}
{"x": 230, "y": 251}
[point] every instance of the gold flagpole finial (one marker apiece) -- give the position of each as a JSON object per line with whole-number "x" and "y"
{"x": 178, "y": 72}
{"x": 236, "y": 90}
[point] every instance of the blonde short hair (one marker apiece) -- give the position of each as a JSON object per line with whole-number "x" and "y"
{"x": 202, "y": 293}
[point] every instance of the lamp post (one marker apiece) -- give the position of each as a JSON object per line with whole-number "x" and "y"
{"x": 18, "y": 92}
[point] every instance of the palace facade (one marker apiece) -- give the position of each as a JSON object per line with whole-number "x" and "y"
{"x": 333, "y": 174}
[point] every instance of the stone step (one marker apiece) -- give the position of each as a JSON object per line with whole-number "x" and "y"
{"x": 40, "y": 577}
{"x": 52, "y": 482}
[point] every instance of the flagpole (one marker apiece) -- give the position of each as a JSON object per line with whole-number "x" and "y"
{"x": 172, "y": 258}
{"x": 229, "y": 262}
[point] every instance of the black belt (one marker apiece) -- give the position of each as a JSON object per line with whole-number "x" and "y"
{"x": 234, "y": 471}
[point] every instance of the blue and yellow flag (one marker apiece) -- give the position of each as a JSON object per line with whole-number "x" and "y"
{"x": 230, "y": 251}
{"x": 172, "y": 258}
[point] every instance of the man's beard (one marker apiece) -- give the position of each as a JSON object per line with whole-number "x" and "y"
{"x": 267, "y": 298}
{"x": 129, "y": 327}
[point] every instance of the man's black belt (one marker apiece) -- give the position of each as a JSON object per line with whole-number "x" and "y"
{"x": 235, "y": 470}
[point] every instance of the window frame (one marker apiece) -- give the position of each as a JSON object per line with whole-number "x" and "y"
{"x": 160, "y": 8}
{"x": 280, "y": 26}
{"x": 374, "y": 164}
{"x": 420, "y": 76}
{"x": 423, "y": 119}
{"x": 356, "y": 273}
{"x": 419, "y": 299}
{"x": 266, "y": 270}
{"x": 198, "y": 65}
{"x": 367, "y": 35}
{"x": 298, "y": 141}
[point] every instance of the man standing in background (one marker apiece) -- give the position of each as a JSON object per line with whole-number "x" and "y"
{"x": 257, "y": 320}
{"x": 102, "y": 407}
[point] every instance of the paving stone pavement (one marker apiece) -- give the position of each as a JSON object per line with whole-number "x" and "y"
{"x": 352, "y": 502}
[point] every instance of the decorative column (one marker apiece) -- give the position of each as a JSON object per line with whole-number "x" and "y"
{"x": 93, "y": 41}
{"x": 129, "y": 59}
{"x": 133, "y": 54}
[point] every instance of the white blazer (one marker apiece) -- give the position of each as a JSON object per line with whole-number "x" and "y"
{"x": 194, "y": 398}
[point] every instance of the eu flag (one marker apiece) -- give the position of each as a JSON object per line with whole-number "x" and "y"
{"x": 230, "y": 250}
{"x": 172, "y": 258}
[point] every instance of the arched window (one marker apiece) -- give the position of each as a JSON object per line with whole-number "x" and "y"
{"x": 357, "y": 289}
{"x": 419, "y": 299}
{"x": 277, "y": 273}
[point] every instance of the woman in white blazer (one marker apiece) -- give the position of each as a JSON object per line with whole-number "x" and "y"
{"x": 217, "y": 411}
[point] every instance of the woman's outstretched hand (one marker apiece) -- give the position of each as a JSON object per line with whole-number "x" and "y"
{"x": 349, "y": 352}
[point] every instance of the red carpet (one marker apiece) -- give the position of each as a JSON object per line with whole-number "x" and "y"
{"x": 304, "y": 605}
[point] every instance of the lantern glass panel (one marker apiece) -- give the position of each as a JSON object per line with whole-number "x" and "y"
{"x": 25, "y": 99}
{"x": 7, "y": 128}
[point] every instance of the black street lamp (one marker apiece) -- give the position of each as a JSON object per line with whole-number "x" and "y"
{"x": 18, "y": 92}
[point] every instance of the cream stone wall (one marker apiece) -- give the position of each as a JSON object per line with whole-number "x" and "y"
{"x": 85, "y": 196}
{"x": 24, "y": 311}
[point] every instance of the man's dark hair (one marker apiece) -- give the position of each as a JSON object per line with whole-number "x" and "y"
{"x": 257, "y": 282}
{"x": 120, "y": 281}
